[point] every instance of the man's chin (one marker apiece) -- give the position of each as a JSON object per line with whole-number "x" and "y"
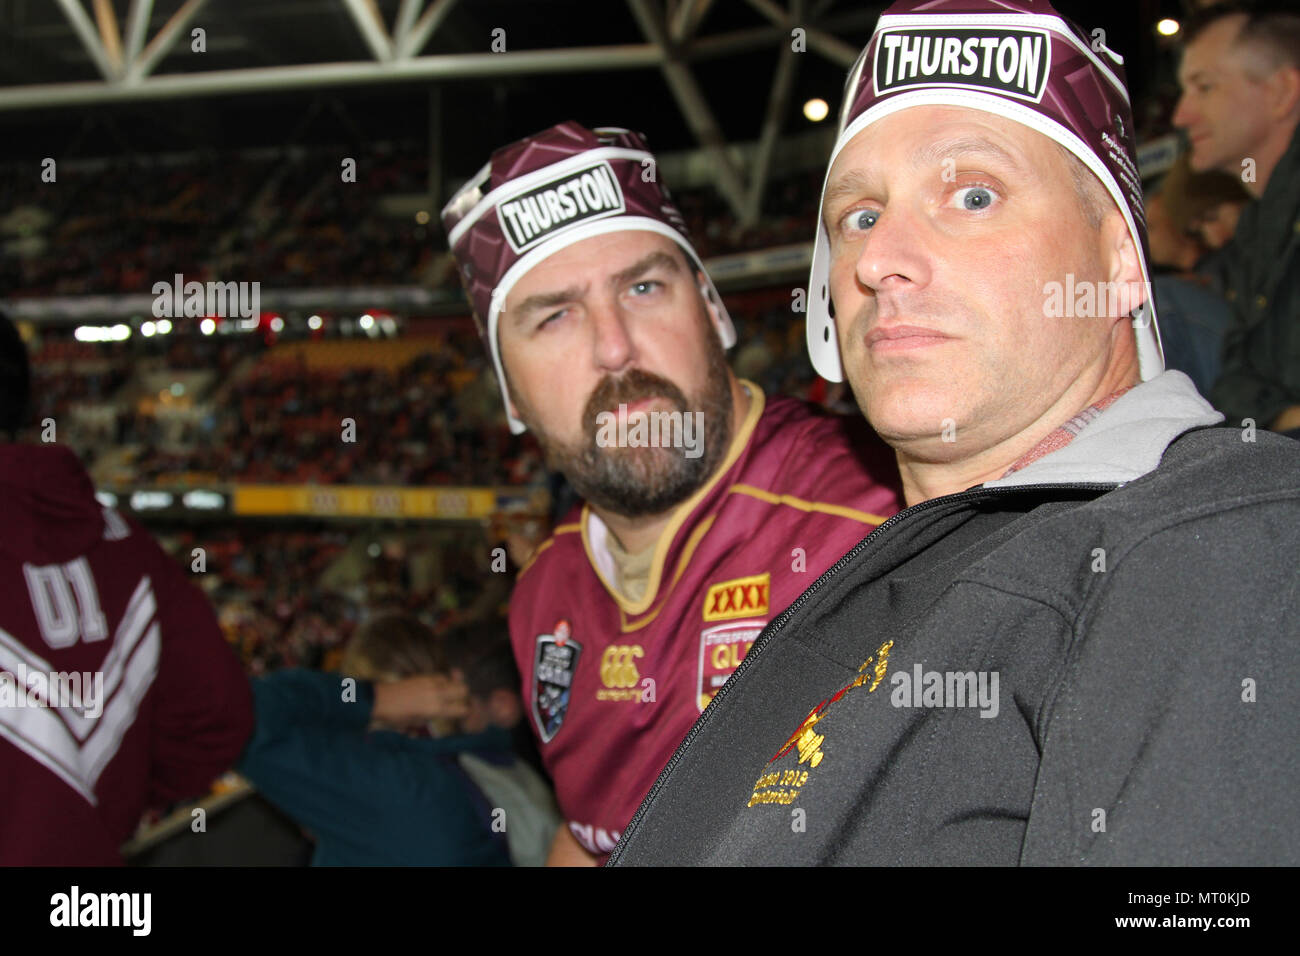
{"x": 1201, "y": 160}
{"x": 911, "y": 416}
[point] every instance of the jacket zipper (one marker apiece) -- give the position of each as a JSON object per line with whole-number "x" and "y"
{"x": 775, "y": 626}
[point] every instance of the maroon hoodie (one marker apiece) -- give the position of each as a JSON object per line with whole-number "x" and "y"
{"x": 117, "y": 691}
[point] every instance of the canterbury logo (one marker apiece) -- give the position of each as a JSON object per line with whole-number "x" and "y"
{"x": 743, "y": 597}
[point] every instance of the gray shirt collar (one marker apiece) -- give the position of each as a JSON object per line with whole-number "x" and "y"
{"x": 1125, "y": 441}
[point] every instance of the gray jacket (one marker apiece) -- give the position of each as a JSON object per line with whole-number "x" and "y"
{"x": 1091, "y": 661}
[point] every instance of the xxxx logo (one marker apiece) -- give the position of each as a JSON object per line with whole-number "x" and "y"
{"x": 743, "y": 597}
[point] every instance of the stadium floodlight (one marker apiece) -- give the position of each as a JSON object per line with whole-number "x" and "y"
{"x": 150, "y": 500}
{"x": 119, "y": 332}
{"x": 816, "y": 110}
{"x": 163, "y": 326}
{"x": 207, "y": 326}
{"x": 202, "y": 500}
{"x": 277, "y": 323}
{"x": 147, "y": 329}
{"x": 367, "y": 321}
{"x": 314, "y": 322}
{"x": 1167, "y": 27}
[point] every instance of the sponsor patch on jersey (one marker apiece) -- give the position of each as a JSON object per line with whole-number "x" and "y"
{"x": 743, "y": 597}
{"x": 722, "y": 648}
{"x": 1011, "y": 61}
{"x": 554, "y": 664}
{"x": 589, "y": 193}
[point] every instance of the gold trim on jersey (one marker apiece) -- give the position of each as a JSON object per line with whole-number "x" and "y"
{"x": 865, "y": 517}
{"x": 682, "y": 562}
{"x": 559, "y": 530}
{"x": 757, "y": 401}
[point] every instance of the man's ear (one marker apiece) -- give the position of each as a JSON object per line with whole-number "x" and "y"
{"x": 709, "y": 304}
{"x": 509, "y": 390}
{"x": 1123, "y": 264}
{"x": 1282, "y": 90}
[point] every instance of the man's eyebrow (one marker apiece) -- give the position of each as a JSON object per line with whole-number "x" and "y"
{"x": 656, "y": 259}
{"x": 549, "y": 300}
{"x": 852, "y": 182}
{"x": 938, "y": 151}
{"x": 544, "y": 300}
{"x": 856, "y": 181}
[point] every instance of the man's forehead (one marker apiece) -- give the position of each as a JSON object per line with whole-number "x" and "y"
{"x": 606, "y": 254}
{"x": 1212, "y": 48}
{"x": 933, "y": 135}
{"x": 608, "y": 259}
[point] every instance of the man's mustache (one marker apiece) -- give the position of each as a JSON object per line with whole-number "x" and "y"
{"x": 625, "y": 389}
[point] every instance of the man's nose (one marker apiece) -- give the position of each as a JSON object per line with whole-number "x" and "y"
{"x": 612, "y": 345}
{"x": 892, "y": 256}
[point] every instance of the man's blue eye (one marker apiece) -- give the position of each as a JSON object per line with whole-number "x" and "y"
{"x": 976, "y": 198}
{"x": 863, "y": 219}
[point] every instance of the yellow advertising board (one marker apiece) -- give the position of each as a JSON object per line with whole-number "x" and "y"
{"x": 364, "y": 501}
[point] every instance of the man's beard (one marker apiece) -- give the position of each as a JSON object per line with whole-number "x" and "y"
{"x": 641, "y": 481}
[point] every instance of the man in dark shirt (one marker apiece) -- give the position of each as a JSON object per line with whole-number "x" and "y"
{"x": 1240, "y": 108}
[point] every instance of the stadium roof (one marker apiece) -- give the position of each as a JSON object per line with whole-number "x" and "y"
{"x": 128, "y": 76}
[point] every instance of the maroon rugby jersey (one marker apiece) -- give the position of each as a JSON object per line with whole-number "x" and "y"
{"x": 613, "y": 686}
{"x": 86, "y": 592}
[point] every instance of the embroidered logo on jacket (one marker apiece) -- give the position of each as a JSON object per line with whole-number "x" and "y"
{"x": 554, "y": 664}
{"x": 743, "y": 597}
{"x": 783, "y": 786}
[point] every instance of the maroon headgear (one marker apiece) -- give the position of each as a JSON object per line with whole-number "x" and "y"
{"x": 1021, "y": 60}
{"x": 548, "y": 191}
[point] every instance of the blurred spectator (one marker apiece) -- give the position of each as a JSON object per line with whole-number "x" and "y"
{"x": 384, "y": 768}
{"x": 481, "y": 652}
{"x": 1241, "y": 108}
{"x": 1171, "y": 247}
{"x": 1205, "y": 205}
{"x": 86, "y": 592}
{"x": 1192, "y": 315}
